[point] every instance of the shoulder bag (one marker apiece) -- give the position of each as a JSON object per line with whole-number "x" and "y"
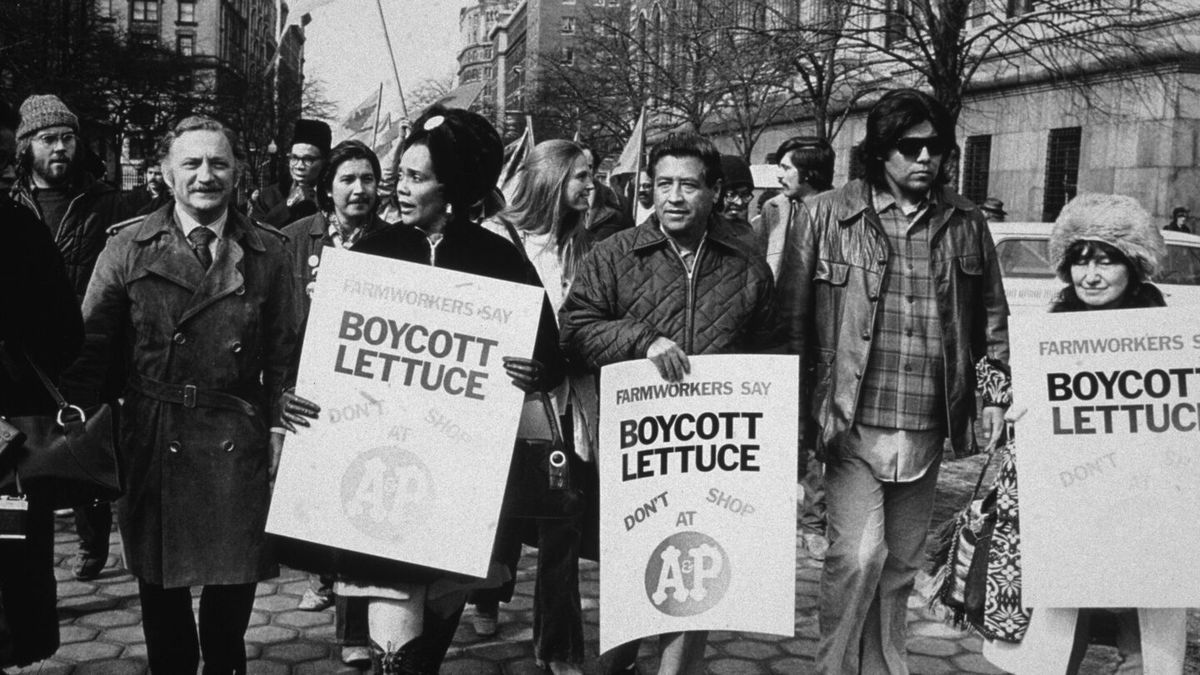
{"x": 976, "y": 565}
{"x": 74, "y": 448}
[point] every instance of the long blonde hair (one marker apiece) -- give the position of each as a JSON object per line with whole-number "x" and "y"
{"x": 538, "y": 202}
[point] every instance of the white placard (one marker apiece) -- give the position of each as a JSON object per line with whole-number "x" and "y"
{"x": 409, "y": 458}
{"x": 1108, "y": 457}
{"x": 698, "y": 498}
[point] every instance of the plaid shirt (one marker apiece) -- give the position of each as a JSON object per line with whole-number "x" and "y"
{"x": 903, "y": 386}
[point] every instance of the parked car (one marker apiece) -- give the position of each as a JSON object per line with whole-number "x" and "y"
{"x": 1031, "y": 285}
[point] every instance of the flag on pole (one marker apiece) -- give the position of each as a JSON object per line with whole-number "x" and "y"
{"x": 631, "y": 156}
{"x": 362, "y": 116}
{"x": 462, "y": 97}
{"x": 298, "y": 8}
{"x": 386, "y": 136}
{"x": 516, "y": 152}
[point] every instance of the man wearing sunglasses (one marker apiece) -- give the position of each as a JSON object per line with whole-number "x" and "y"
{"x": 897, "y": 295}
{"x": 296, "y": 196}
{"x": 52, "y": 181}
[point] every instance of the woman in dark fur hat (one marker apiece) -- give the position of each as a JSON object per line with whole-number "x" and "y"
{"x": 1106, "y": 249}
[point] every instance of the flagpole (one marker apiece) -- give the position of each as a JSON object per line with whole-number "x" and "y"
{"x": 637, "y": 175}
{"x": 395, "y": 71}
{"x": 378, "y": 109}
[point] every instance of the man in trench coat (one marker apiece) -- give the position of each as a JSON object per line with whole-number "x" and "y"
{"x": 191, "y": 317}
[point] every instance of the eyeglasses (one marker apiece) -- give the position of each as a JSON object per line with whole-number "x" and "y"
{"x": 742, "y": 195}
{"x": 301, "y": 159}
{"x": 51, "y": 140}
{"x": 911, "y": 147}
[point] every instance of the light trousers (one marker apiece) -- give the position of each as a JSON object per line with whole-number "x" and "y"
{"x": 876, "y": 534}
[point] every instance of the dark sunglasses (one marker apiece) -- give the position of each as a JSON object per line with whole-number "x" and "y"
{"x": 911, "y": 147}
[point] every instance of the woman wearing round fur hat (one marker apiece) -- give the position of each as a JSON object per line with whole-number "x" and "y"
{"x": 448, "y": 166}
{"x": 1106, "y": 249}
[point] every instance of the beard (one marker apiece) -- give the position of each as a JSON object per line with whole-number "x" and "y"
{"x": 56, "y": 169}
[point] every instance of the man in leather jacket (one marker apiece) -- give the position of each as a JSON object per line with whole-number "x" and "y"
{"x": 890, "y": 296}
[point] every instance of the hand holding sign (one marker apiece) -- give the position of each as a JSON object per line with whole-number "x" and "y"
{"x": 671, "y": 361}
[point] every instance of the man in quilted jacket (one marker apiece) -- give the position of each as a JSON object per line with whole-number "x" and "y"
{"x": 890, "y": 296}
{"x": 681, "y": 284}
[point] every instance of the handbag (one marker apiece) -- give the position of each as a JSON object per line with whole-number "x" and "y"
{"x": 540, "y": 481}
{"x": 976, "y": 566}
{"x": 73, "y": 447}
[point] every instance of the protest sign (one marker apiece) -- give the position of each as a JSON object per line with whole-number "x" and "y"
{"x": 409, "y": 458}
{"x": 698, "y": 498}
{"x": 1108, "y": 457}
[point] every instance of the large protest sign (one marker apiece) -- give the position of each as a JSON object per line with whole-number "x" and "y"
{"x": 698, "y": 498}
{"x": 409, "y": 458}
{"x": 1108, "y": 457}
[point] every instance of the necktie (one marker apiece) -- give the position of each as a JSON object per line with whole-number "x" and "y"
{"x": 200, "y": 238}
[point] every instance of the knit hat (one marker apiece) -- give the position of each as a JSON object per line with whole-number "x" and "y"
{"x": 313, "y": 132}
{"x": 466, "y": 152}
{"x": 737, "y": 172}
{"x": 41, "y": 111}
{"x": 1116, "y": 220}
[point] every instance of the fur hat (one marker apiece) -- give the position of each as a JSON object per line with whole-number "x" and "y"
{"x": 313, "y": 132}
{"x": 1116, "y": 220}
{"x": 42, "y": 111}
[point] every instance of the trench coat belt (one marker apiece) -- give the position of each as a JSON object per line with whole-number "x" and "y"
{"x": 189, "y": 395}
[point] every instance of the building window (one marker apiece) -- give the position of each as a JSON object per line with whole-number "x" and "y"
{"x": 105, "y": 8}
{"x": 187, "y": 11}
{"x": 896, "y": 23}
{"x": 568, "y": 56}
{"x": 895, "y": 26}
{"x": 187, "y": 45}
{"x": 1019, "y": 7}
{"x": 568, "y": 25}
{"x": 1062, "y": 170}
{"x": 568, "y": 2}
{"x": 978, "y": 11}
{"x": 144, "y": 10}
{"x": 977, "y": 156}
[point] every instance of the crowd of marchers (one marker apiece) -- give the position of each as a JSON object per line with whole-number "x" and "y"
{"x": 185, "y": 309}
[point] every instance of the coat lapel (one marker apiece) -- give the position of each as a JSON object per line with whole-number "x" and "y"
{"x": 226, "y": 274}
{"x": 171, "y": 257}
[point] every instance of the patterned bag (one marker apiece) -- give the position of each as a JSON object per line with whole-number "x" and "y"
{"x": 976, "y": 568}
{"x": 1004, "y": 617}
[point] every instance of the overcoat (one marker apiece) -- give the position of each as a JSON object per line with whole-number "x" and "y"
{"x": 201, "y": 360}
{"x": 39, "y": 317}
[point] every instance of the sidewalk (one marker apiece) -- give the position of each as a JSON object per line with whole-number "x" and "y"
{"x": 102, "y": 634}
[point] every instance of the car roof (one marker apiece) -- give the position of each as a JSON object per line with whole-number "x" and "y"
{"x": 1042, "y": 230}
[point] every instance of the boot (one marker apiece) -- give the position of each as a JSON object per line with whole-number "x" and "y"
{"x": 411, "y": 659}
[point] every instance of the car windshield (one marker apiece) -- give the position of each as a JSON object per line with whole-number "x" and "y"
{"x": 1025, "y": 258}
{"x": 1028, "y": 258}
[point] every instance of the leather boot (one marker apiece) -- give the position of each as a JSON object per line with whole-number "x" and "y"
{"x": 411, "y": 659}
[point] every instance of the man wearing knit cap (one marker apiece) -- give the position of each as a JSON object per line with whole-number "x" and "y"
{"x": 296, "y": 197}
{"x": 79, "y": 210}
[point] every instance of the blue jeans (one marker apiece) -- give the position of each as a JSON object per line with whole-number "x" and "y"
{"x": 876, "y": 546}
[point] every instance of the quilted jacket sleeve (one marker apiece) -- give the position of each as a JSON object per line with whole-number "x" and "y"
{"x": 595, "y": 330}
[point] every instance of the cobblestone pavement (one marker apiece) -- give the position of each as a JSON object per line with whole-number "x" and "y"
{"x": 102, "y": 634}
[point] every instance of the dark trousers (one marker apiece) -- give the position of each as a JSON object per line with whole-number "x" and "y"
{"x": 351, "y": 621}
{"x": 93, "y": 524}
{"x": 170, "y": 628}
{"x": 557, "y": 606}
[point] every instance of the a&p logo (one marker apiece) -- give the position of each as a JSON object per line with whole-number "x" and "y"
{"x": 688, "y": 574}
{"x": 385, "y": 492}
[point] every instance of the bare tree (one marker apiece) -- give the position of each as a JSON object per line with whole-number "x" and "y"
{"x": 952, "y": 45}
{"x": 314, "y": 101}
